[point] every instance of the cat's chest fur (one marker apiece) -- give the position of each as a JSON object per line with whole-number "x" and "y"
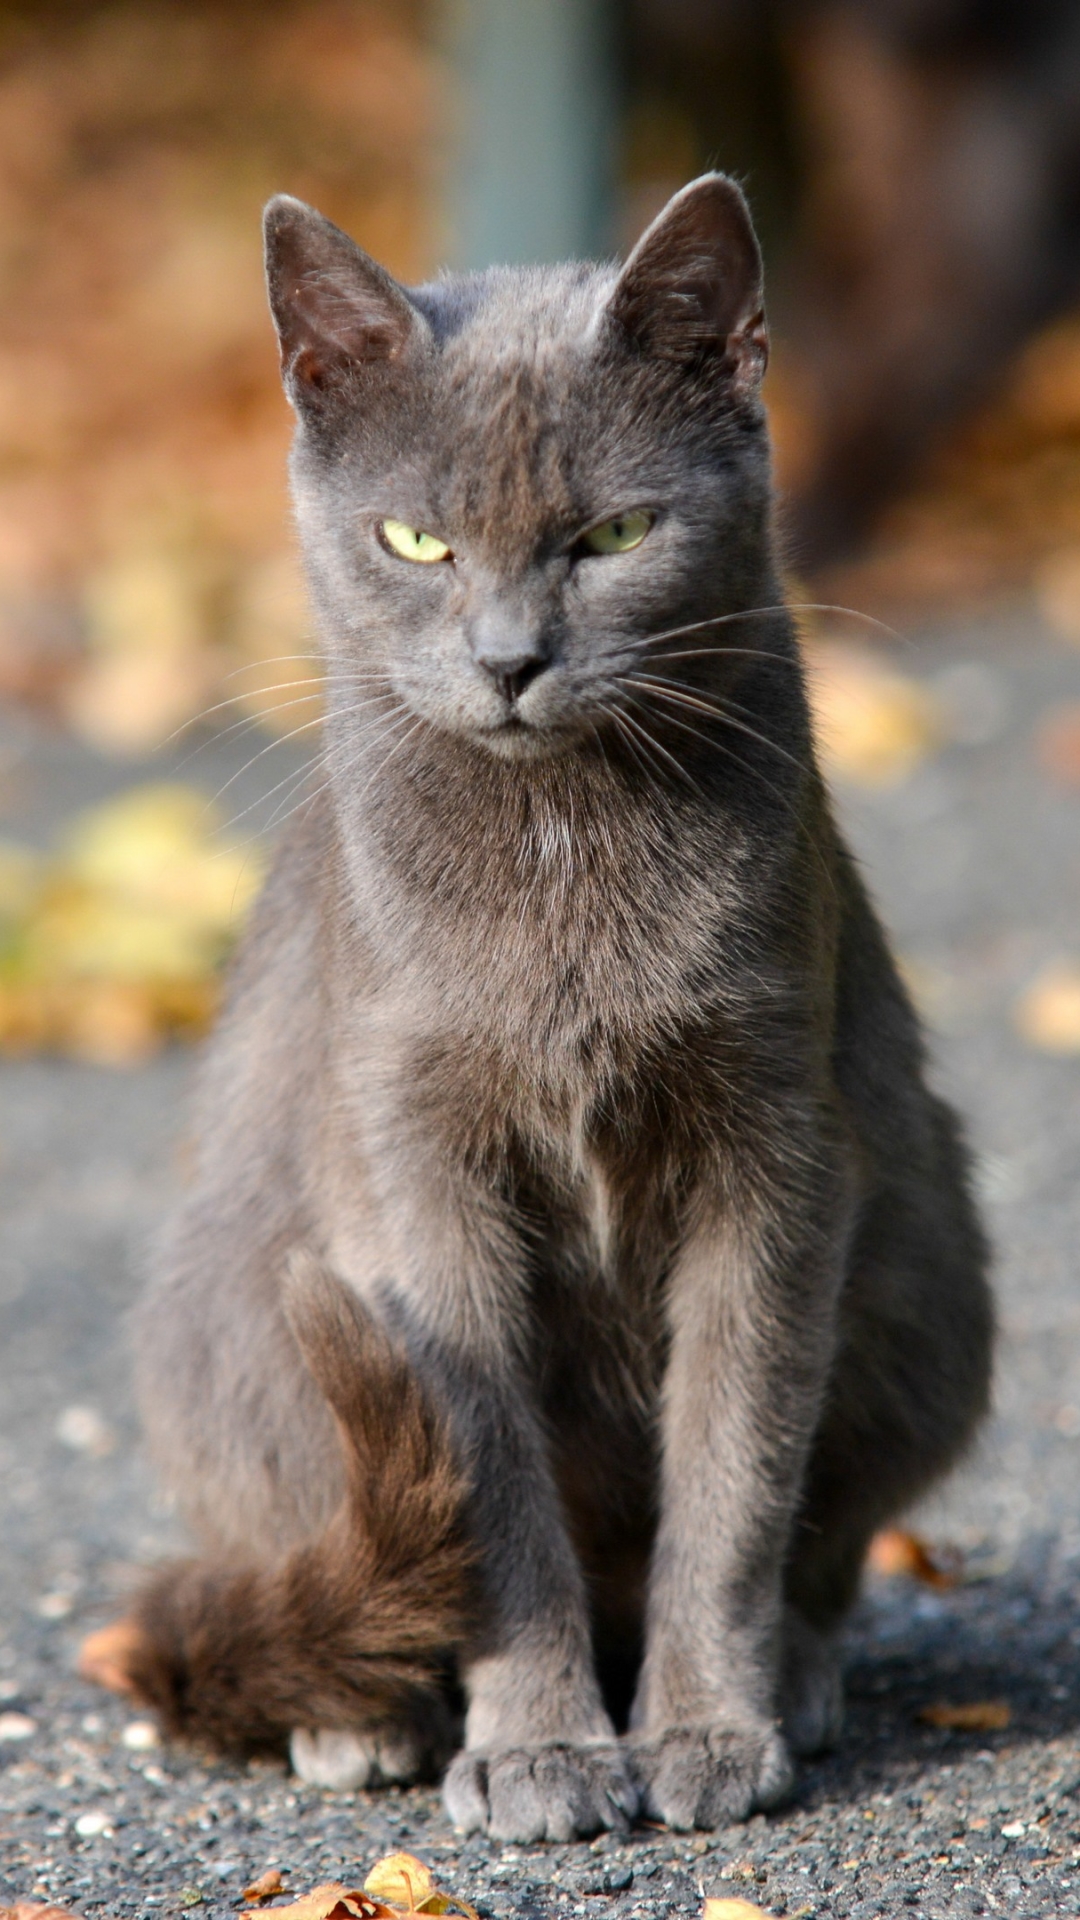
{"x": 548, "y": 920}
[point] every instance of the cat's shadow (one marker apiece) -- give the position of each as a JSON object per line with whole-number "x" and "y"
{"x": 1005, "y": 1644}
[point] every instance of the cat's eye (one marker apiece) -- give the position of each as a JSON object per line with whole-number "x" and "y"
{"x": 411, "y": 543}
{"x": 620, "y": 534}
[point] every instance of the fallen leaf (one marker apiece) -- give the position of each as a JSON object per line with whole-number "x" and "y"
{"x": 975, "y": 1716}
{"x": 37, "y": 1910}
{"x": 896, "y": 1551}
{"x": 873, "y": 724}
{"x": 1056, "y": 581}
{"x": 732, "y": 1910}
{"x": 265, "y": 1887}
{"x": 113, "y": 945}
{"x": 332, "y": 1901}
{"x": 105, "y": 1656}
{"x": 1058, "y": 745}
{"x": 1047, "y": 1014}
{"x": 403, "y": 1881}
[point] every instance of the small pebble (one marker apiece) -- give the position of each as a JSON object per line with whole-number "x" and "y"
{"x": 84, "y": 1431}
{"x": 55, "y": 1606}
{"x": 89, "y": 1825}
{"x": 16, "y": 1726}
{"x": 140, "y": 1736}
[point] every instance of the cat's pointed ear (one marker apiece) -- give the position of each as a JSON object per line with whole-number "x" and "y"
{"x": 333, "y": 306}
{"x": 693, "y": 283}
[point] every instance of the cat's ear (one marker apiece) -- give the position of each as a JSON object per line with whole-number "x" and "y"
{"x": 693, "y": 283}
{"x": 333, "y": 306}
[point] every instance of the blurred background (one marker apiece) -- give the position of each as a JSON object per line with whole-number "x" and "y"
{"x": 914, "y": 166}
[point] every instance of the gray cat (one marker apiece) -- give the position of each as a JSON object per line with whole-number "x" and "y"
{"x": 576, "y": 1269}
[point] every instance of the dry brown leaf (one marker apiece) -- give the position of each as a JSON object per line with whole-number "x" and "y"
{"x": 1056, "y": 582}
{"x": 105, "y": 1656}
{"x": 331, "y": 1901}
{"x": 1047, "y": 1014}
{"x": 37, "y": 1910}
{"x": 1058, "y": 745}
{"x": 732, "y": 1910}
{"x": 974, "y": 1716}
{"x": 265, "y": 1887}
{"x": 896, "y": 1551}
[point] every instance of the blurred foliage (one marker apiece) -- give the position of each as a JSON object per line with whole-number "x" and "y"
{"x": 998, "y": 510}
{"x": 112, "y": 944}
{"x": 142, "y": 428}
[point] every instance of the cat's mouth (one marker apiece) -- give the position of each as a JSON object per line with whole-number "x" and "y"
{"x": 513, "y": 737}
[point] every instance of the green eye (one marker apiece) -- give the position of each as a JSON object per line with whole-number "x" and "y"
{"x": 409, "y": 543}
{"x": 619, "y": 534}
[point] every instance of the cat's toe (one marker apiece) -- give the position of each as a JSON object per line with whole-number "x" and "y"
{"x": 332, "y": 1757}
{"x": 526, "y": 1794}
{"x": 708, "y": 1776}
{"x": 465, "y": 1793}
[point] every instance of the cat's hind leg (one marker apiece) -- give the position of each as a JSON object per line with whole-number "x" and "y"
{"x": 342, "y": 1645}
{"x": 909, "y": 1386}
{"x": 811, "y": 1703}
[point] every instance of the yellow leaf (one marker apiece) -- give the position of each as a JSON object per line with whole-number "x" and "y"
{"x": 20, "y": 871}
{"x": 1047, "y": 1015}
{"x": 405, "y": 1883}
{"x": 873, "y": 725}
{"x": 732, "y": 1910}
{"x": 401, "y": 1879}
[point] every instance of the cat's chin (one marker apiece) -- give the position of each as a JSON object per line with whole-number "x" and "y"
{"x": 521, "y": 743}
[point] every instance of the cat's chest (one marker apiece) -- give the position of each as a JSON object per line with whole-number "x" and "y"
{"x": 568, "y": 969}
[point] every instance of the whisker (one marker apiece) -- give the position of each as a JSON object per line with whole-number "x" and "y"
{"x": 715, "y": 711}
{"x": 781, "y": 606}
{"x": 264, "y": 797}
{"x": 387, "y": 757}
{"x": 247, "y": 723}
{"x": 784, "y": 799}
{"x": 282, "y": 739}
{"x": 656, "y": 747}
{"x": 278, "y": 819}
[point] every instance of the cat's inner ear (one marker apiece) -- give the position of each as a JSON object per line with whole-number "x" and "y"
{"x": 333, "y": 306}
{"x": 693, "y": 283}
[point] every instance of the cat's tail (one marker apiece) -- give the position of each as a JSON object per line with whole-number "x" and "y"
{"x": 354, "y": 1631}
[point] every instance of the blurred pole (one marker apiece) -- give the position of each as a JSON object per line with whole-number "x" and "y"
{"x": 533, "y": 128}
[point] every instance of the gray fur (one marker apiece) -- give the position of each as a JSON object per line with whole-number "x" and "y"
{"x": 566, "y": 1036}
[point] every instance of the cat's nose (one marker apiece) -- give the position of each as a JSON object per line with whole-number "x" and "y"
{"x": 512, "y": 668}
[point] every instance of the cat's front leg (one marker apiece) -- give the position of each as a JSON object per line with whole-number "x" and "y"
{"x": 752, "y": 1311}
{"x": 541, "y": 1759}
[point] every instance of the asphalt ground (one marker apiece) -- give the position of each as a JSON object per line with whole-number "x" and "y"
{"x": 975, "y": 859}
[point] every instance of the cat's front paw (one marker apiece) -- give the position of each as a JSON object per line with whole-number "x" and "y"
{"x": 553, "y": 1792}
{"x": 708, "y": 1776}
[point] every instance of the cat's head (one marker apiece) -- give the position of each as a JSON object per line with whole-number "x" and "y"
{"x": 509, "y": 484}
